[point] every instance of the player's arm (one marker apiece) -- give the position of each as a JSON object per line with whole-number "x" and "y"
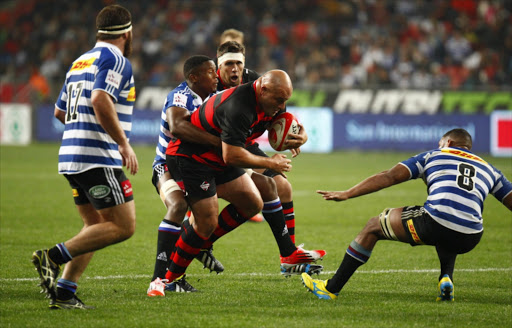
{"x": 105, "y": 112}
{"x": 180, "y": 127}
{"x": 397, "y": 174}
{"x": 60, "y": 115}
{"x": 239, "y": 156}
{"x": 507, "y": 201}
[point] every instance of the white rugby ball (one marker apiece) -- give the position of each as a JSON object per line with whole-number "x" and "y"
{"x": 282, "y": 125}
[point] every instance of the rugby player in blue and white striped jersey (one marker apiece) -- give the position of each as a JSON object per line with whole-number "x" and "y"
{"x": 458, "y": 182}
{"x": 95, "y": 104}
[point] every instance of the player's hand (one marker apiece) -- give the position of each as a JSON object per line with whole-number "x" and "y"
{"x": 281, "y": 163}
{"x": 129, "y": 158}
{"x": 338, "y": 196}
{"x": 295, "y": 152}
{"x": 294, "y": 141}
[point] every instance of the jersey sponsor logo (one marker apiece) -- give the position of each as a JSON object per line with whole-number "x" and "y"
{"x": 180, "y": 99}
{"x": 113, "y": 78}
{"x": 82, "y": 64}
{"x": 75, "y": 193}
{"x": 131, "y": 94}
{"x": 100, "y": 191}
{"x": 205, "y": 185}
{"x": 127, "y": 188}
{"x": 463, "y": 154}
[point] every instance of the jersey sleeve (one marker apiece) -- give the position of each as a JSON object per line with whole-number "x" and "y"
{"x": 178, "y": 99}
{"x": 114, "y": 73}
{"x": 416, "y": 165}
{"x": 61, "y": 102}
{"x": 503, "y": 186}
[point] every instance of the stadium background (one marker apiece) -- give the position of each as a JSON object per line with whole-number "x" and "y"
{"x": 368, "y": 74}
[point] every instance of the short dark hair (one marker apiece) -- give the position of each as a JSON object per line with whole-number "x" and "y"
{"x": 109, "y": 16}
{"x": 460, "y": 137}
{"x": 192, "y": 63}
{"x": 230, "y": 46}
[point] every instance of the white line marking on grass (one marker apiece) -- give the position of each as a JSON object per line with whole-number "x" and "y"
{"x": 147, "y": 276}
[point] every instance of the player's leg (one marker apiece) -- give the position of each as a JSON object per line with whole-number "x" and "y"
{"x": 284, "y": 190}
{"x": 110, "y": 193}
{"x": 169, "y": 228}
{"x": 68, "y": 283}
{"x": 388, "y": 225}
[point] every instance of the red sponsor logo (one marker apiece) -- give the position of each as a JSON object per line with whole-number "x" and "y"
{"x": 127, "y": 188}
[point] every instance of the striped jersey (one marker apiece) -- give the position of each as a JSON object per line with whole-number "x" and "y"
{"x": 457, "y": 183}
{"x": 85, "y": 144}
{"x": 182, "y": 96}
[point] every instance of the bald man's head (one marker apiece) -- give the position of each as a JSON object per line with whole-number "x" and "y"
{"x": 275, "y": 88}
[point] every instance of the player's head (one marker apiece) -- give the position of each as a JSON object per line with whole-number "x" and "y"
{"x": 201, "y": 75}
{"x": 231, "y": 62}
{"x": 232, "y": 35}
{"x": 275, "y": 88}
{"x": 456, "y": 138}
{"x": 114, "y": 22}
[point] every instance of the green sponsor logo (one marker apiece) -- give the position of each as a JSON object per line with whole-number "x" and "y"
{"x": 99, "y": 191}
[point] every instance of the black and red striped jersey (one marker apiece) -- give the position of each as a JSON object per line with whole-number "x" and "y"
{"x": 231, "y": 115}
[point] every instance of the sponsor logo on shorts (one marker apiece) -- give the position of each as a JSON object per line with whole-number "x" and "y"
{"x": 99, "y": 191}
{"x": 127, "y": 188}
{"x": 75, "y": 193}
{"x": 413, "y": 232}
{"x": 205, "y": 185}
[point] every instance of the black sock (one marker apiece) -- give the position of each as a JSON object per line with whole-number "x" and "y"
{"x": 59, "y": 254}
{"x": 355, "y": 256}
{"x": 447, "y": 261}
{"x": 273, "y": 214}
{"x": 168, "y": 234}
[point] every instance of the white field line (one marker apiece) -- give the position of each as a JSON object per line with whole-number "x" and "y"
{"x": 146, "y": 276}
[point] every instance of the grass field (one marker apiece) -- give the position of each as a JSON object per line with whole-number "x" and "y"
{"x": 396, "y": 288}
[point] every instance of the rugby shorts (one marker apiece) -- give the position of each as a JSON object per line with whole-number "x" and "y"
{"x": 422, "y": 229}
{"x": 158, "y": 171}
{"x": 102, "y": 187}
{"x": 197, "y": 180}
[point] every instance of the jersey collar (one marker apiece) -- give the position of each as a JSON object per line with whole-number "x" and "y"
{"x": 108, "y": 45}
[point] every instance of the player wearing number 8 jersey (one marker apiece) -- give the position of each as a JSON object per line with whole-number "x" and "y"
{"x": 458, "y": 182}
{"x": 95, "y": 104}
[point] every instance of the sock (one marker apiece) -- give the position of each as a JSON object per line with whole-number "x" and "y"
{"x": 187, "y": 247}
{"x": 447, "y": 261}
{"x": 355, "y": 256}
{"x": 289, "y": 218}
{"x": 168, "y": 234}
{"x": 66, "y": 289}
{"x": 273, "y": 214}
{"x": 229, "y": 219}
{"x": 59, "y": 254}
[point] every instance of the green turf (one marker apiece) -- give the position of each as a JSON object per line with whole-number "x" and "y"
{"x": 396, "y": 288}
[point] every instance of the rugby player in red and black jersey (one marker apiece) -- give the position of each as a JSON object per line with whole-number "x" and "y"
{"x": 232, "y": 72}
{"x": 203, "y": 171}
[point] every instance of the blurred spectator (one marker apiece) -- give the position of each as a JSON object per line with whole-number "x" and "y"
{"x": 343, "y": 43}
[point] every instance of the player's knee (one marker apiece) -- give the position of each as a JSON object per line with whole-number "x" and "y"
{"x": 373, "y": 227}
{"x": 284, "y": 187}
{"x": 268, "y": 189}
{"x": 176, "y": 208}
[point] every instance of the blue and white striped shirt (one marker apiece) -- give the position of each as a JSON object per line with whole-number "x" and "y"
{"x": 458, "y": 183}
{"x": 85, "y": 144}
{"x": 182, "y": 96}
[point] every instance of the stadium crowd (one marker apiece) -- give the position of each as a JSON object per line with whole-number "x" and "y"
{"x": 455, "y": 44}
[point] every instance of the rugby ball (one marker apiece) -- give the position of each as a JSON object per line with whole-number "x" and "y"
{"x": 282, "y": 125}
